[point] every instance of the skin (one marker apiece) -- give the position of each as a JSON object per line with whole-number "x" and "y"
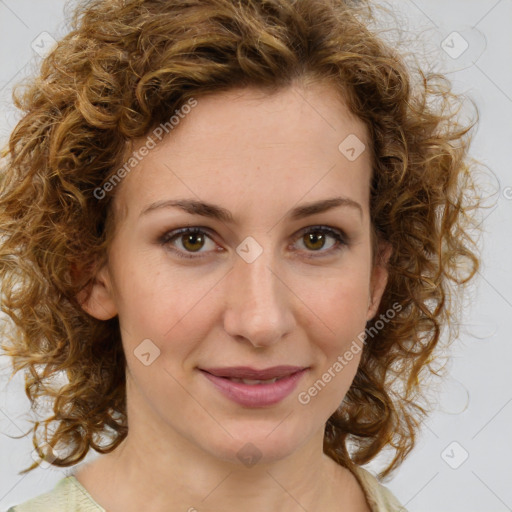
{"x": 258, "y": 156}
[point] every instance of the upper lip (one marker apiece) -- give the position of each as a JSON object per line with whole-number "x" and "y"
{"x": 246, "y": 372}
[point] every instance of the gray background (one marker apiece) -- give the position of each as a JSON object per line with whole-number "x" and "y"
{"x": 462, "y": 460}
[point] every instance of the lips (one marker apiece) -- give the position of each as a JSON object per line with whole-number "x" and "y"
{"x": 248, "y": 373}
{"x": 255, "y": 388}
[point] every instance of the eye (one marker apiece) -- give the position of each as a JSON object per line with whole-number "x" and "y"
{"x": 192, "y": 240}
{"x": 188, "y": 242}
{"x": 314, "y": 240}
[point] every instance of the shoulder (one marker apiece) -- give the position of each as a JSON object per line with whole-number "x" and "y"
{"x": 379, "y": 497}
{"x": 68, "y": 495}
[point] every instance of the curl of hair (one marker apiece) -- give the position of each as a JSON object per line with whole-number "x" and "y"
{"x": 123, "y": 69}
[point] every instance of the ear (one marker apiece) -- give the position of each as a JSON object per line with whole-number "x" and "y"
{"x": 98, "y": 298}
{"x": 379, "y": 278}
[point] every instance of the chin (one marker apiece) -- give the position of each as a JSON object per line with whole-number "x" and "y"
{"x": 251, "y": 446}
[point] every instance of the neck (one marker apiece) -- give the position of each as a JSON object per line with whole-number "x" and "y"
{"x": 178, "y": 480}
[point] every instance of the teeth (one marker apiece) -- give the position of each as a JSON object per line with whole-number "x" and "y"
{"x": 252, "y": 382}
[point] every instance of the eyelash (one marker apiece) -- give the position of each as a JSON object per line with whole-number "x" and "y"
{"x": 339, "y": 236}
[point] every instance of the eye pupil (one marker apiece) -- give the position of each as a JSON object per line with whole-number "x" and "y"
{"x": 315, "y": 238}
{"x": 193, "y": 238}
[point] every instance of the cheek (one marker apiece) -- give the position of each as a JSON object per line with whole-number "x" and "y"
{"x": 345, "y": 316}
{"x": 336, "y": 334}
{"x": 163, "y": 303}
{"x": 339, "y": 301}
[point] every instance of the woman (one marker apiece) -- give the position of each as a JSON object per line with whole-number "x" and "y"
{"x": 231, "y": 230}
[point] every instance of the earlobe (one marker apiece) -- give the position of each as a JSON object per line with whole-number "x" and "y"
{"x": 379, "y": 279}
{"x": 98, "y": 300}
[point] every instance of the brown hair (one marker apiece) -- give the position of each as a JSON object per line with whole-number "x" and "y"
{"x": 124, "y": 68}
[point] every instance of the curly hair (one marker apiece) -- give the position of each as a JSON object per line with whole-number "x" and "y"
{"x": 123, "y": 68}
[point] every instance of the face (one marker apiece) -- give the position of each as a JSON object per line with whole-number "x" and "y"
{"x": 259, "y": 285}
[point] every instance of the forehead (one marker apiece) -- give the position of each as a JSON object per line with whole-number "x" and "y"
{"x": 247, "y": 147}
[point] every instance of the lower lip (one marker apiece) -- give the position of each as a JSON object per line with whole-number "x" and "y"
{"x": 257, "y": 395}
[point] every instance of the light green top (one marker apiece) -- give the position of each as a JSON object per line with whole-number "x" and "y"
{"x": 69, "y": 495}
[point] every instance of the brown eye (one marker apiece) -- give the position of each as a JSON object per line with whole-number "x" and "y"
{"x": 315, "y": 239}
{"x": 192, "y": 241}
{"x": 186, "y": 241}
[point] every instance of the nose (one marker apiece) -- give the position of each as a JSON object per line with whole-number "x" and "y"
{"x": 258, "y": 303}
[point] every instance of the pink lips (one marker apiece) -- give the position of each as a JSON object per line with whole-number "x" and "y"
{"x": 255, "y": 394}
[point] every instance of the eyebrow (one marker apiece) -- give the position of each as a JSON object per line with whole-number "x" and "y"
{"x": 213, "y": 211}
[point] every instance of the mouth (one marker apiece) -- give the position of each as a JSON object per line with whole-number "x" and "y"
{"x": 253, "y": 382}
{"x": 255, "y": 388}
